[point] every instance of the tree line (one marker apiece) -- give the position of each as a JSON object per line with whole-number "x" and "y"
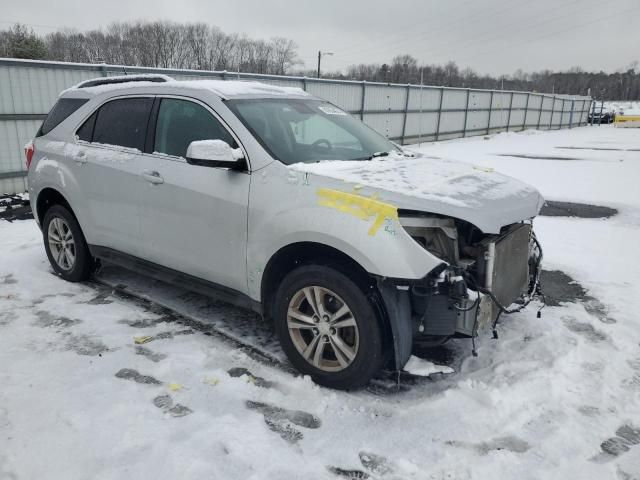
{"x": 155, "y": 44}
{"x": 621, "y": 85}
{"x": 203, "y": 47}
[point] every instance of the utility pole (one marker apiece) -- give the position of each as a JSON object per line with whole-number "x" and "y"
{"x": 320, "y": 54}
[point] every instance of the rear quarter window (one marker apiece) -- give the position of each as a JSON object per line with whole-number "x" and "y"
{"x": 60, "y": 111}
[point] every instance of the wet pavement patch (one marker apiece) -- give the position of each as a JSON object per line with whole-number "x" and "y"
{"x": 606, "y": 149}
{"x": 558, "y": 288}
{"x": 134, "y": 375}
{"x": 536, "y": 157}
{"x": 580, "y": 210}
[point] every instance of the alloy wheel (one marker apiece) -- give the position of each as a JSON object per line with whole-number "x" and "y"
{"x": 322, "y": 328}
{"x": 61, "y": 243}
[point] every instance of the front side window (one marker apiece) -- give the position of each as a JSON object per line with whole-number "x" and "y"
{"x": 123, "y": 122}
{"x": 295, "y": 130}
{"x": 181, "y": 122}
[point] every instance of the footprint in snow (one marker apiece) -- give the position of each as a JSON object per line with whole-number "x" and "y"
{"x": 100, "y": 299}
{"x": 585, "y": 330}
{"x": 625, "y": 438}
{"x": 85, "y": 345}
{"x": 134, "y": 375}
{"x": 509, "y": 443}
{"x": 145, "y": 322}
{"x": 237, "y": 372}
{"x": 349, "y": 474}
{"x": 150, "y": 354}
{"x": 281, "y": 420}
{"x": 47, "y": 320}
{"x": 165, "y": 403}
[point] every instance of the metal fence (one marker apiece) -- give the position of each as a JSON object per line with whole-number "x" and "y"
{"x": 403, "y": 113}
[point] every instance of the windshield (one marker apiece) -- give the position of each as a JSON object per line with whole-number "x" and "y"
{"x": 300, "y": 130}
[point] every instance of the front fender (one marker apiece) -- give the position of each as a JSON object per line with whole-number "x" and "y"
{"x": 288, "y": 207}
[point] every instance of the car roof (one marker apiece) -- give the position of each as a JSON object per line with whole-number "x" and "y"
{"x": 161, "y": 84}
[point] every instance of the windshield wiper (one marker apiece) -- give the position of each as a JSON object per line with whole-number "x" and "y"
{"x": 374, "y": 155}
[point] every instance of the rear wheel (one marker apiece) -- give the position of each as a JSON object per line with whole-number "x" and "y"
{"x": 65, "y": 245}
{"x": 327, "y": 327}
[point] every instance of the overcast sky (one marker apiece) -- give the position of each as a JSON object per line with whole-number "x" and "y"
{"x": 491, "y": 36}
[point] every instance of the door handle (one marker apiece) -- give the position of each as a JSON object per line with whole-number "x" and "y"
{"x": 152, "y": 176}
{"x": 81, "y": 157}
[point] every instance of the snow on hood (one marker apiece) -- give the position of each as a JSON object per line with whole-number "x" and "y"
{"x": 479, "y": 195}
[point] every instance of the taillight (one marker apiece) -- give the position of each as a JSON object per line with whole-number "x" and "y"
{"x": 29, "y": 150}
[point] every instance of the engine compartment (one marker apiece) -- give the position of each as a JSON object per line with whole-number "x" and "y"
{"x": 481, "y": 275}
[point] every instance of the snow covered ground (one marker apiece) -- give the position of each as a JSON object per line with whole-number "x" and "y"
{"x": 96, "y": 384}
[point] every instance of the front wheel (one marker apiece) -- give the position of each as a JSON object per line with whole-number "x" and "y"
{"x": 65, "y": 245}
{"x": 328, "y": 328}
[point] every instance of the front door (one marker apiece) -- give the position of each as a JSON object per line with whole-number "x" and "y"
{"x": 194, "y": 218}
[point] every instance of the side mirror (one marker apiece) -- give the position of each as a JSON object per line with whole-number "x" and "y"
{"x": 215, "y": 153}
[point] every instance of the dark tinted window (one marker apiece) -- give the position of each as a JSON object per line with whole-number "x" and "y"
{"x": 61, "y": 110}
{"x": 123, "y": 122}
{"x": 85, "y": 132}
{"x": 181, "y": 122}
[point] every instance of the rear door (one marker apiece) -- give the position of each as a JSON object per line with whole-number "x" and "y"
{"x": 194, "y": 218}
{"x": 108, "y": 154}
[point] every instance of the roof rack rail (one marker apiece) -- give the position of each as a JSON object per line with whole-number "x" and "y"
{"x": 94, "y": 82}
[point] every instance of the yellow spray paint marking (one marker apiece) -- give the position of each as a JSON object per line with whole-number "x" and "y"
{"x": 362, "y": 207}
{"x": 174, "y": 387}
{"x": 141, "y": 340}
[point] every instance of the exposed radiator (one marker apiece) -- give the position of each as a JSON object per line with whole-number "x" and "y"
{"x": 507, "y": 264}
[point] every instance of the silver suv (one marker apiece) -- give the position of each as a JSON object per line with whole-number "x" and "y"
{"x": 278, "y": 201}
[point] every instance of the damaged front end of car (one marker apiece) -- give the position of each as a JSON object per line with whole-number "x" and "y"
{"x": 481, "y": 277}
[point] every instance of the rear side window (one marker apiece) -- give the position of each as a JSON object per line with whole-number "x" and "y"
{"x": 181, "y": 122}
{"x": 61, "y": 110}
{"x": 123, "y": 122}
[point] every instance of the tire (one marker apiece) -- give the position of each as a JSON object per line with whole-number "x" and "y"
{"x": 65, "y": 245}
{"x": 350, "y": 353}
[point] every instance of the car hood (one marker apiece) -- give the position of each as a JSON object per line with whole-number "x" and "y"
{"x": 479, "y": 195}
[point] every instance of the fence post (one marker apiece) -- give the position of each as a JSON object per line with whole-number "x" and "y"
{"x": 490, "y": 110}
{"x": 439, "y": 113}
{"x": 571, "y": 114}
{"x": 526, "y": 110}
{"x": 466, "y": 113}
{"x": 406, "y": 112}
{"x": 509, "y": 112}
{"x": 562, "y": 115}
{"x": 364, "y": 91}
{"x": 304, "y": 83}
{"x": 553, "y": 107}
{"x": 540, "y": 111}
